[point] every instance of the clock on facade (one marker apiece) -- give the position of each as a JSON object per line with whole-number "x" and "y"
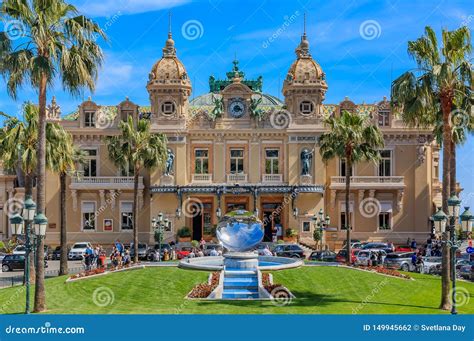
{"x": 236, "y": 108}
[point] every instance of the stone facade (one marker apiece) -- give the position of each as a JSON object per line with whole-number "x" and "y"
{"x": 237, "y": 147}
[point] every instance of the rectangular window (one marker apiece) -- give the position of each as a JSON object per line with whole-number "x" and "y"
{"x": 201, "y": 161}
{"x": 384, "y": 118}
{"x": 207, "y": 218}
{"x": 90, "y": 163}
{"x": 126, "y": 215}
{"x": 306, "y": 226}
{"x": 88, "y": 215}
{"x": 236, "y": 161}
{"x": 126, "y": 114}
{"x": 342, "y": 219}
{"x": 385, "y": 163}
{"x": 342, "y": 167}
{"x": 272, "y": 161}
{"x": 127, "y": 171}
{"x": 384, "y": 221}
{"x": 89, "y": 119}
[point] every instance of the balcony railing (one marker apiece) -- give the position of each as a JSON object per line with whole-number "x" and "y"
{"x": 236, "y": 178}
{"x": 369, "y": 182}
{"x": 272, "y": 178}
{"x": 104, "y": 182}
{"x": 202, "y": 178}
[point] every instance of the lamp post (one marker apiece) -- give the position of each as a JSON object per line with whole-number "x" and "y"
{"x": 17, "y": 222}
{"x": 159, "y": 227}
{"x": 445, "y": 223}
{"x": 321, "y": 222}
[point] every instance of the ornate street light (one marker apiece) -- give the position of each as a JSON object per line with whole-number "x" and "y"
{"x": 218, "y": 213}
{"x": 40, "y": 224}
{"x": 29, "y": 209}
{"x": 454, "y": 203}
{"x": 159, "y": 226}
{"x": 321, "y": 222}
{"x": 466, "y": 220}
{"x": 16, "y": 224}
{"x": 440, "y": 219}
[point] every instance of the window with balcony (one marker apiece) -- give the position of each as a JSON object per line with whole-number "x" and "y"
{"x": 236, "y": 161}
{"x": 385, "y": 163}
{"x": 385, "y": 221}
{"x": 89, "y": 119}
{"x": 126, "y": 215}
{"x": 88, "y": 215}
{"x": 384, "y": 118}
{"x": 272, "y": 158}
{"x": 342, "y": 217}
{"x": 342, "y": 168}
{"x": 201, "y": 161}
{"x": 89, "y": 167}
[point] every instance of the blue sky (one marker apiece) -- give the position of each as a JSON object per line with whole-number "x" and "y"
{"x": 361, "y": 46}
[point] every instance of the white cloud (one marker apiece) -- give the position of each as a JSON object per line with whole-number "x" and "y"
{"x": 105, "y": 8}
{"x": 115, "y": 75}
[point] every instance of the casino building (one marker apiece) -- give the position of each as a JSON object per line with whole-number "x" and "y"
{"x": 237, "y": 147}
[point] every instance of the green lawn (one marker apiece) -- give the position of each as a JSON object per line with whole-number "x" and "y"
{"x": 319, "y": 290}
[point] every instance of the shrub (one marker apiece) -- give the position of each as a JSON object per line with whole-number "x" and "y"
{"x": 291, "y": 233}
{"x": 184, "y": 232}
{"x": 195, "y": 243}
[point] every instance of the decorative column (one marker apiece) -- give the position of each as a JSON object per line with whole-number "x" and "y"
{"x": 102, "y": 198}
{"x": 74, "y": 199}
{"x": 112, "y": 197}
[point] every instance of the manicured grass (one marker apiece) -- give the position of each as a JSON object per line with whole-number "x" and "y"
{"x": 319, "y": 290}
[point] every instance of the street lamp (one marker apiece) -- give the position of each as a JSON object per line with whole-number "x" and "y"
{"x": 441, "y": 219}
{"x": 26, "y": 218}
{"x": 321, "y": 222}
{"x": 159, "y": 227}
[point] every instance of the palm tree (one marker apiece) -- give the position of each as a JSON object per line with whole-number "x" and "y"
{"x": 437, "y": 93}
{"x": 62, "y": 156}
{"x": 355, "y": 138}
{"x": 54, "y": 41}
{"x": 18, "y": 141}
{"x": 137, "y": 147}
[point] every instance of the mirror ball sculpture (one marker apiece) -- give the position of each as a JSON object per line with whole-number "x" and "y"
{"x": 240, "y": 231}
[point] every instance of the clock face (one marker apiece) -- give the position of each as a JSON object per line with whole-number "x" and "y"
{"x": 237, "y": 108}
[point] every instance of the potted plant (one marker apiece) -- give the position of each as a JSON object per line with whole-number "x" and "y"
{"x": 290, "y": 235}
{"x": 184, "y": 234}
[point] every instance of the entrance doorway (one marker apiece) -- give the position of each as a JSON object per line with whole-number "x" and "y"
{"x": 202, "y": 226}
{"x": 272, "y": 221}
{"x": 197, "y": 224}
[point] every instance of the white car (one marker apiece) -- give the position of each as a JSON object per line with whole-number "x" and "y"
{"x": 363, "y": 256}
{"x": 19, "y": 250}
{"x": 78, "y": 250}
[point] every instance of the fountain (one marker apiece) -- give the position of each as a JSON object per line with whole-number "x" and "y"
{"x": 240, "y": 267}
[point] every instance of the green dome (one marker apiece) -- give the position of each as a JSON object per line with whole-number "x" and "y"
{"x": 206, "y": 100}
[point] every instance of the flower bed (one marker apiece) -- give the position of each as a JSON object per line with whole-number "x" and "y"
{"x": 99, "y": 271}
{"x": 384, "y": 271}
{"x": 203, "y": 290}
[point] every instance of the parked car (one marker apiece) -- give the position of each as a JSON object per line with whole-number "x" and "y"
{"x": 261, "y": 247}
{"x": 56, "y": 253}
{"x": 183, "y": 251}
{"x": 151, "y": 252}
{"x": 403, "y": 248}
{"x": 432, "y": 265}
{"x": 288, "y": 250}
{"x": 387, "y": 247}
{"x": 2, "y": 255}
{"x": 323, "y": 256}
{"x": 209, "y": 247}
{"x": 341, "y": 255}
{"x": 399, "y": 261}
{"x": 19, "y": 250}
{"x": 15, "y": 262}
{"x": 467, "y": 271}
{"x": 363, "y": 257}
{"x": 78, "y": 250}
{"x": 142, "y": 250}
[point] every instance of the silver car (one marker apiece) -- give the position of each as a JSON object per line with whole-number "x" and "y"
{"x": 467, "y": 271}
{"x": 399, "y": 261}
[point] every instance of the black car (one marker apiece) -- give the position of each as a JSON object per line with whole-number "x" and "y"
{"x": 15, "y": 262}
{"x": 323, "y": 256}
{"x": 151, "y": 252}
{"x": 56, "y": 253}
{"x": 288, "y": 250}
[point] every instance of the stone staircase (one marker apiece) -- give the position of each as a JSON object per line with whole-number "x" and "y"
{"x": 239, "y": 284}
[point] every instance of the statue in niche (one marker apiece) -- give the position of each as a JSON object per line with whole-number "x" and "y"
{"x": 306, "y": 161}
{"x": 169, "y": 163}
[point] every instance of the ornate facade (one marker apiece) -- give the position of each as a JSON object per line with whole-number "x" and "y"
{"x": 237, "y": 147}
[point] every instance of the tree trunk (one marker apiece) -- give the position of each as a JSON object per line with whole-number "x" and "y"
{"x": 63, "y": 270}
{"x": 40, "y": 300}
{"x": 453, "y": 189}
{"x": 29, "y": 193}
{"x": 446, "y": 104}
{"x": 135, "y": 211}
{"x": 348, "y": 207}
